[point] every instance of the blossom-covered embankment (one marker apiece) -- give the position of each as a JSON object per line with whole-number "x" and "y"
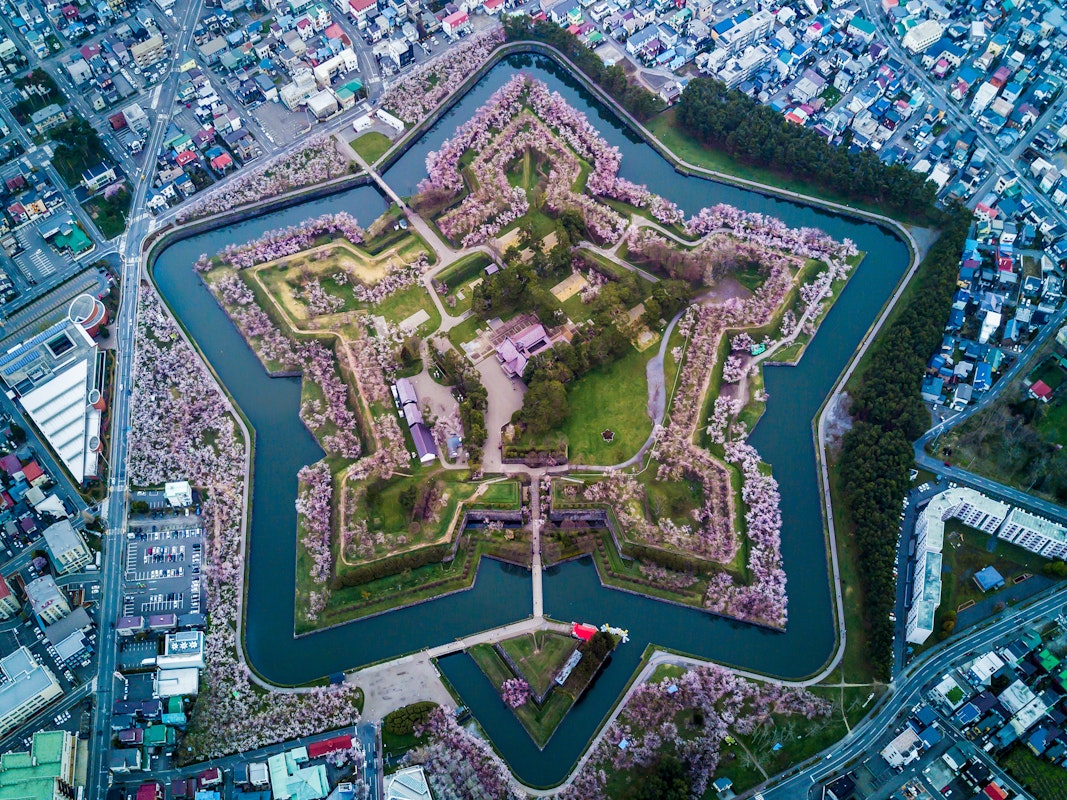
{"x": 726, "y": 705}
{"x": 319, "y": 160}
{"x": 420, "y": 91}
{"x": 181, "y": 427}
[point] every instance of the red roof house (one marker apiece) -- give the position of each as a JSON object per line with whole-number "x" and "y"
{"x": 32, "y": 472}
{"x": 327, "y": 746}
{"x": 994, "y": 792}
{"x": 221, "y": 162}
{"x": 1041, "y": 391}
{"x": 149, "y": 791}
{"x": 580, "y": 630}
{"x": 10, "y": 464}
{"x": 185, "y": 157}
{"x": 118, "y": 121}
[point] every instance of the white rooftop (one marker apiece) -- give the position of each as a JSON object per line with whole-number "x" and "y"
{"x": 1045, "y": 527}
{"x": 61, "y": 411}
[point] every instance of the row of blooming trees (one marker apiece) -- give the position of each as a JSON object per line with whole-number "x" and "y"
{"x": 283, "y": 242}
{"x": 418, "y": 92}
{"x": 180, "y": 426}
{"x": 726, "y": 703}
{"x": 314, "y": 504}
{"x": 317, "y": 161}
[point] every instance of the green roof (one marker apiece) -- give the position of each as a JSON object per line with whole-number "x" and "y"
{"x": 158, "y": 735}
{"x": 1046, "y": 660}
{"x": 75, "y": 239}
{"x": 32, "y": 775}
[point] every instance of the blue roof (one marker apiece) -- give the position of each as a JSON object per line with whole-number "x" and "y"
{"x": 930, "y": 736}
{"x": 967, "y": 714}
{"x": 926, "y": 716}
{"x": 988, "y": 578}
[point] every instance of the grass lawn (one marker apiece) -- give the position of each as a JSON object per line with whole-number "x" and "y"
{"x": 1045, "y": 780}
{"x": 398, "y": 306}
{"x": 465, "y": 331}
{"x": 967, "y": 551}
{"x": 461, "y": 271}
{"x": 541, "y": 722}
{"x": 539, "y": 656}
{"x": 613, "y": 398}
{"x": 502, "y": 494}
{"x": 667, "y": 130}
{"x": 384, "y": 512}
{"x": 372, "y": 145}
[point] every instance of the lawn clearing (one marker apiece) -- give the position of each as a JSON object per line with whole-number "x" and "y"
{"x": 372, "y": 145}
{"x": 539, "y": 656}
{"x": 613, "y": 398}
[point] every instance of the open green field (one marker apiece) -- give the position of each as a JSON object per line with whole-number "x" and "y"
{"x": 615, "y": 398}
{"x": 667, "y": 130}
{"x": 541, "y": 722}
{"x": 967, "y": 551}
{"x": 501, "y": 494}
{"x": 540, "y": 655}
{"x": 1047, "y": 781}
{"x": 372, "y": 145}
{"x": 464, "y": 269}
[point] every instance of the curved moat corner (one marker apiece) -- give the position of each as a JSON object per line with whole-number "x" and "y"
{"x": 572, "y": 591}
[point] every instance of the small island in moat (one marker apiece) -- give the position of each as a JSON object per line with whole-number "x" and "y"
{"x": 529, "y": 309}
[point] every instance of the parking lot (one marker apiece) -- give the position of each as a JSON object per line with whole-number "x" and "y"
{"x": 162, "y": 562}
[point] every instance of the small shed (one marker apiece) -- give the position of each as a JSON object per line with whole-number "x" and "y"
{"x": 989, "y": 579}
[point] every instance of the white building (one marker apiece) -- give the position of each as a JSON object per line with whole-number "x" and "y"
{"x": 1034, "y": 533}
{"x": 178, "y": 493}
{"x": 747, "y": 31}
{"x": 28, "y": 688}
{"x": 58, "y": 375}
{"x": 973, "y": 509}
{"x": 919, "y": 38}
{"x": 66, "y": 547}
{"x": 407, "y": 784}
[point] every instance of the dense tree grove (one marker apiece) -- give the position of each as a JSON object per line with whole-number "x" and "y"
{"x": 731, "y": 121}
{"x": 889, "y": 415}
{"x": 473, "y": 401}
{"x": 636, "y": 99}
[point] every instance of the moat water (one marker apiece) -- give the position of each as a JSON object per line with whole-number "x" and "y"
{"x": 502, "y": 594}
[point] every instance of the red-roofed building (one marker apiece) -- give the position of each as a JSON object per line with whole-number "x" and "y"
{"x": 493, "y": 7}
{"x": 34, "y": 474}
{"x": 15, "y": 184}
{"x": 1041, "y": 391}
{"x": 185, "y": 157}
{"x": 1005, "y": 264}
{"x": 994, "y": 792}
{"x": 327, "y": 746}
{"x": 9, "y": 604}
{"x": 210, "y": 777}
{"x": 118, "y": 121}
{"x": 580, "y": 630}
{"x": 361, "y": 9}
{"x": 5, "y": 501}
{"x": 222, "y": 162}
{"x": 335, "y": 31}
{"x": 149, "y": 791}
{"x": 454, "y": 22}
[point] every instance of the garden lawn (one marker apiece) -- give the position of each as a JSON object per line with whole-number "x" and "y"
{"x": 666, "y": 129}
{"x": 398, "y": 306}
{"x": 539, "y": 656}
{"x": 372, "y": 145}
{"x": 502, "y": 494}
{"x": 1045, "y": 780}
{"x": 541, "y": 722}
{"x": 459, "y": 272}
{"x": 613, "y": 397}
{"x": 109, "y": 213}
